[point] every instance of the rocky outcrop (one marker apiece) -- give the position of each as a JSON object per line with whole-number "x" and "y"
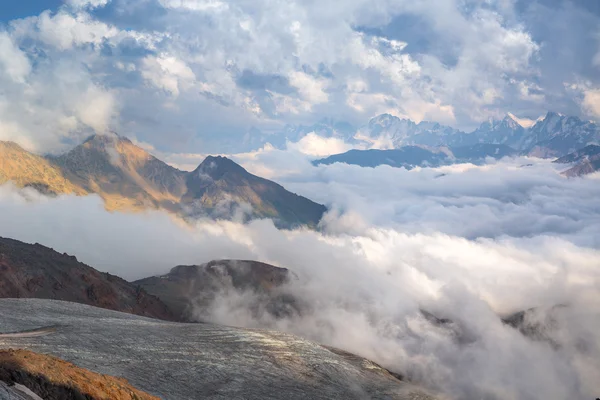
{"x": 29, "y": 375}
{"x": 190, "y": 290}
{"x": 36, "y": 271}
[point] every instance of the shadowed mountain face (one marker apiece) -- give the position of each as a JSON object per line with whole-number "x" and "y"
{"x": 219, "y": 186}
{"x": 129, "y": 178}
{"x": 413, "y": 156}
{"x": 36, "y": 271}
{"x": 190, "y": 361}
{"x": 190, "y": 290}
{"x": 586, "y": 160}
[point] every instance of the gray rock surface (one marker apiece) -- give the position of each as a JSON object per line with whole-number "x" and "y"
{"x": 16, "y": 392}
{"x": 191, "y": 361}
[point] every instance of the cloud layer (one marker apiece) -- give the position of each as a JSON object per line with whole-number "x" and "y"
{"x": 198, "y": 74}
{"x": 468, "y": 246}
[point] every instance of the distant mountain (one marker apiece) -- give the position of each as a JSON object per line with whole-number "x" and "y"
{"x": 412, "y": 156}
{"x": 393, "y": 132}
{"x": 506, "y": 131}
{"x": 190, "y": 290}
{"x": 558, "y": 135}
{"x": 407, "y": 157}
{"x": 554, "y": 135}
{"x": 36, "y": 271}
{"x": 129, "y": 178}
{"x": 587, "y": 161}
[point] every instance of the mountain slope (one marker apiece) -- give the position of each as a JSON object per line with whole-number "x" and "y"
{"x": 219, "y": 187}
{"x": 198, "y": 361}
{"x": 26, "y": 169}
{"x": 36, "y": 271}
{"x": 587, "y": 161}
{"x": 123, "y": 174}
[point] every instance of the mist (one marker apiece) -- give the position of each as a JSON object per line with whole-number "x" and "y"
{"x": 467, "y": 244}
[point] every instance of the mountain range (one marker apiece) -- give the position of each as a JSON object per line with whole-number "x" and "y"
{"x": 129, "y": 178}
{"x": 585, "y": 161}
{"x": 415, "y": 156}
{"x": 553, "y": 135}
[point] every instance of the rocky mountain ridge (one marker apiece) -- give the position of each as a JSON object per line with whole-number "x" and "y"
{"x": 553, "y": 135}
{"x": 127, "y": 177}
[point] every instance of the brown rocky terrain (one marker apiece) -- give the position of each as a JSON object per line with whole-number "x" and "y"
{"x": 36, "y": 271}
{"x": 54, "y": 379}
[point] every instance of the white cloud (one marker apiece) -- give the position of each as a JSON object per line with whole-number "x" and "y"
{"x": 315, "y": 145}
{"x": 591, "y": 102}
{"x": 78, "y": 4}
{"x": 168, "y": 73}
{"x": 466, "y": 246}
{"x": 64, "y": 30}
{"x": 13, "y": 61}
{"x": 194, "y": 5}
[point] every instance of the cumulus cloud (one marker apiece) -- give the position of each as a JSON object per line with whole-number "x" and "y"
{"x": 210, "y": 70}
{"x": 466, "y": 243}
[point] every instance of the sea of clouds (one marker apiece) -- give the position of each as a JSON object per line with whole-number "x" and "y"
{"x": 465, "y": 243}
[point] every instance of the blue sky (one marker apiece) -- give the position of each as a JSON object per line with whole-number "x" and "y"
{"x": 20, "y": 9}
{"x": 198, "y": 75}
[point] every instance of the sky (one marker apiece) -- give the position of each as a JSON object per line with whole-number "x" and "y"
{"x": 195, "y": 76}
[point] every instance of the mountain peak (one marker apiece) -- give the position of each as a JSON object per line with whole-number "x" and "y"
{"x": 217, "y": 166}
{"x": 552, "y": 114}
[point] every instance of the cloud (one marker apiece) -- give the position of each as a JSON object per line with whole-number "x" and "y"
{"x": 315, "y": 145}
{"x": 591, "y": 102}
{"x": 211, "y": 70}
{"x": 15, "y": 63}
{"x": 80, "y": 4}
{"x": 464, "y": 242}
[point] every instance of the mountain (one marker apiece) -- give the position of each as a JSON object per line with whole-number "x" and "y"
{"x": 123, "y": 174}
{"x": 393, "y": 132}
{"x": 219, "y": 187}
{"x": 557, "y": 135}
{"x": 29, "y": 170}
{"x": 129, "y": 178}
{"x": 36, "y": 271}
{"x": 407, "y": 157}
{"x": 506, "y": 131}
{"x": 198, "y": 361}
{"x": 190, "y": 290}
{"x": 412, "y": 156}
{"x": 587, "y": 161}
